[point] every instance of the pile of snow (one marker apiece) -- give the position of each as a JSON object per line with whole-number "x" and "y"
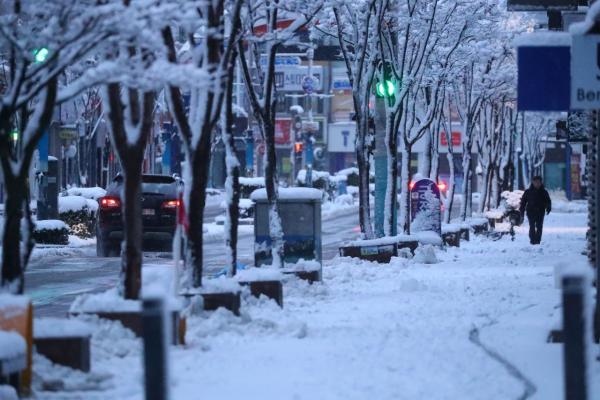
{"x": 72, "y": 203}
{"x": 249, "y": 181}
{"x": 294, "y": 193}
{"x": 383, "y": 241}
{"x": 296, "y": 109}
{"x": 302, "y": 265}
{"x": 258, "y": 274}
{"x": 344, "y": 199}
{"x": 428, "y": 238}
{"x": 512, "y": 199}
{"x": 495, "y": 214}
{"x": 12, "y": 345}
{"x": 397, "y": 331}
{"x": 108, "y": 301}
{"x": 221, "y": 284}
{"x": 301, "y": 178}
{"x": 60, "y": 327}
{"x": 451, "y": 228}
{"x": 476, "y": 221}
{"x": 425, "y": 255}
{"x": 50, "y": 225}
{"x": 92, "y": 193}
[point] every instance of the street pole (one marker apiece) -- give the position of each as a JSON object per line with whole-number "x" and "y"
{"x": 597, "y": 206}
{"x": 310, "y": 53}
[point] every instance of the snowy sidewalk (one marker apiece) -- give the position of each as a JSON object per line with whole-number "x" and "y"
{"x": 369, "y": 331}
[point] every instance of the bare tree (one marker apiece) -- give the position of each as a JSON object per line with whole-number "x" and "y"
{"x": 262, "y": 95}
{"x": 31, "y": 67}
{"x": 211, "y": 60}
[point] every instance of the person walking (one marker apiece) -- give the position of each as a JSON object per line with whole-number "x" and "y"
{"x": 535, "y": 202}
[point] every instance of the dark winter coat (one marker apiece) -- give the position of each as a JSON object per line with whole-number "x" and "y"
{"x": 536, "y": 201}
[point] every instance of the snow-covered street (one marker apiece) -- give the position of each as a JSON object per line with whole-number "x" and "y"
{"x": 399, "y": 331}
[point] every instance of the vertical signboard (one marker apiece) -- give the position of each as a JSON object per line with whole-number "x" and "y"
{"x": 425, "y": 207}
{"x": 585, "y": 69}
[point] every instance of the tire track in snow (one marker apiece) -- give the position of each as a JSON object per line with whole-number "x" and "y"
{"x": 530, "y": 387}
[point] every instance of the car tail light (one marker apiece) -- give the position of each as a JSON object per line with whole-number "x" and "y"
{"x": 109, "y": 202}
{"x": 170, "y": 204}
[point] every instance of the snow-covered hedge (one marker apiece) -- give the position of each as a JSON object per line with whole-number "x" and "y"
{"x": 79, "y": 213}
{"x": 51, "y": 231}
{"x": 320, "y": 179}
{"x": 249, "y": 185}
{"x": 92, "y": 193}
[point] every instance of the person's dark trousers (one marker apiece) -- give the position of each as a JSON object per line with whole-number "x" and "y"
{"x": 536, "y": 224}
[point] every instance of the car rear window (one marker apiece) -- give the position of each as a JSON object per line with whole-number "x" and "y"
{"x": 163, "y": 184}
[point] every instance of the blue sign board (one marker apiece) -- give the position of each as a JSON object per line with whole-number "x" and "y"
{"x": 43, "y": 153}
{"x": 544, "y": 82}
{"x": 425, "y": 207}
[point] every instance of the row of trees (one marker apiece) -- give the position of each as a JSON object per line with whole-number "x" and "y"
{"x": 446, "y": 60}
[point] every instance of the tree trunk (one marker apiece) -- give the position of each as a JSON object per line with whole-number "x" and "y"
{"x": 272, "y": 187}
{"x": 131, "y": 258}
{"x": 391, "y": 192}
{"x": 200, "y": 162}
{"x": 465, "y": 192}
{"x": 232, "y": 183}
{"x": 362, "y": 160}
{"x": 451, "y": 186}
{"x": 484, "y": 194}
{"x": 12, "y": 271}
{"x": 405, "y": 216}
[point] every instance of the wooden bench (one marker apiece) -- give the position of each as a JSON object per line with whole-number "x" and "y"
{"x": 63, "y": 341}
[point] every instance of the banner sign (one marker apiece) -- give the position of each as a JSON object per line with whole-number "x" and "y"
{"x": 425, "y": 207}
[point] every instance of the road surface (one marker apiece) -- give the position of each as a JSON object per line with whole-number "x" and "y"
{"x": 54, "y": 282}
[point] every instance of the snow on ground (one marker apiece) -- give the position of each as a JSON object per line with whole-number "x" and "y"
{"x": 406, "y": 330}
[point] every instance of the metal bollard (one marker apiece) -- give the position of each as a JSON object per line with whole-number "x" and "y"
{"x": 155, "y": 349}
{"x": 574, "y": 337}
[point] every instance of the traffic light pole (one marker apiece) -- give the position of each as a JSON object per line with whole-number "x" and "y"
{"x": 597, "y": 244}
{"x": 380, "y": 159}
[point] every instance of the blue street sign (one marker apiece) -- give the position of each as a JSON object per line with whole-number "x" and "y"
{"x": 544, "y": 82}
{"x": 425, "y": 206}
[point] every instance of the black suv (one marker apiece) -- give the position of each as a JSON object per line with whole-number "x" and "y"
{"x": 159, "y": 214}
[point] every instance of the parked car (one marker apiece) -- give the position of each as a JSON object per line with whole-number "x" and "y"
{"x": 159, "y": 213}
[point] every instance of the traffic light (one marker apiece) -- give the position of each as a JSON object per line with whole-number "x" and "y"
{"x": 387, "y": 87}
{"x": 14, "y": 135}
{"x": 298, "y": 147}
{"x": 40, "y": 55}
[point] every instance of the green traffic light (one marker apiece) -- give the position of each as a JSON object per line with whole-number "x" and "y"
{"x": 41, "y": 54}
{"x": 389, "y": 88}
{"x": 15, "y": 135}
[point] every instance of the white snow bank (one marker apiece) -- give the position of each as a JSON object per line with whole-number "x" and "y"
{"x": 108, "y": 301}
{"x": 60, "y": 327}
{"x": 92, "y": 193}
{"x": 72, "y": 203}
{"x": 12, "y": 345}
{"x": 290, "y": 194}
{"x": 50, "y": 224}
{"x": 425, "y": 255}
{"x": 258, "y": 274}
